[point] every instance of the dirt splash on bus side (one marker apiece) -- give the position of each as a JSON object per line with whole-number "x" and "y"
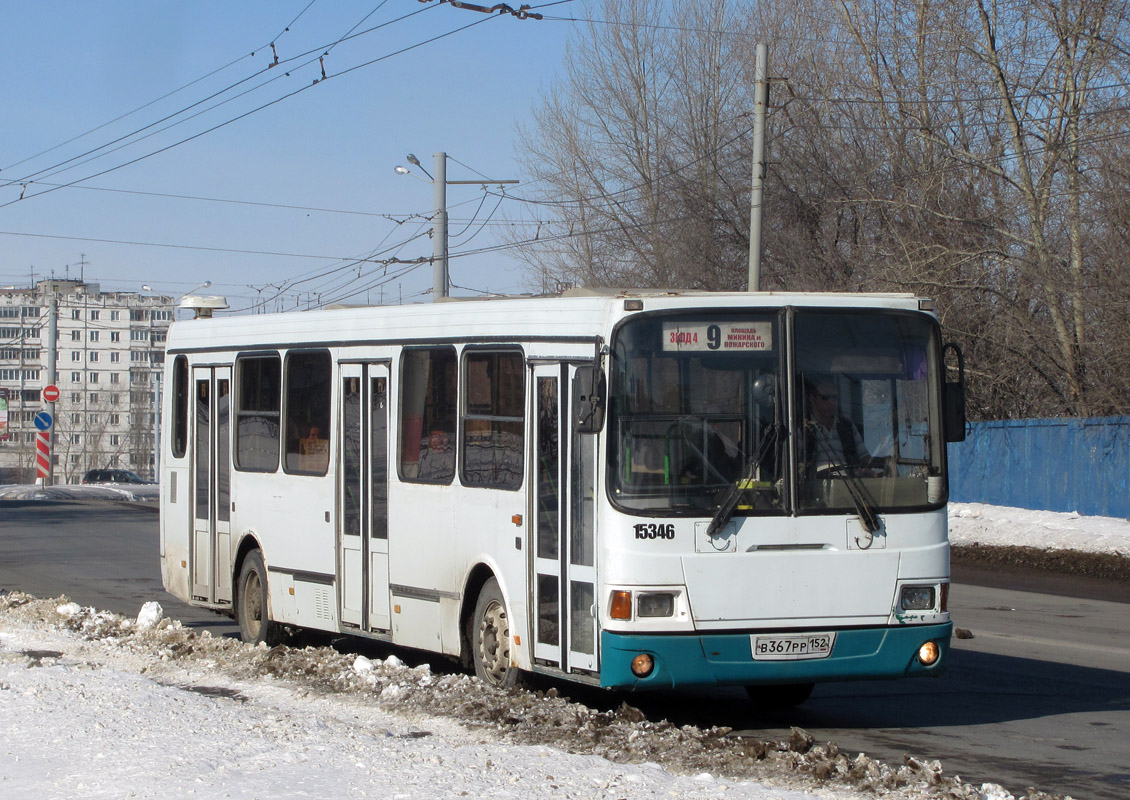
{"x": 518, "y": 716}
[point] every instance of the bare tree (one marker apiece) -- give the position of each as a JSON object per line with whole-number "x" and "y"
{"x": 968, "y": 152}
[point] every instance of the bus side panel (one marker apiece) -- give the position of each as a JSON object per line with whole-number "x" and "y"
{"x": 291, "y": 516}
{"x": 175, "y": 530}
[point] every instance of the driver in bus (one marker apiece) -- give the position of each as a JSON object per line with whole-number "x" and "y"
{"x": 831, "y": 439}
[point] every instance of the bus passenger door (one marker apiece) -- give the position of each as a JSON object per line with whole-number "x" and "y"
{"x": 211, "y": 469}
{"x": 363, "y": 492}
{"x": 564, "y": 574}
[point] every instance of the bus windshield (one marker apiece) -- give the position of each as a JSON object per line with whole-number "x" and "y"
{"x": 699, "y": 414}
{"x": 693, "y": 399}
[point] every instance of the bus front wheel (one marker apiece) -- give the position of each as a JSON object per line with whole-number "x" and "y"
{"x": 490, "y": 639}
{"x": 252, "y": 607}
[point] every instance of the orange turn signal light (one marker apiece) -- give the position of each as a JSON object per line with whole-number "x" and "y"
{"x": 621, "y": 605}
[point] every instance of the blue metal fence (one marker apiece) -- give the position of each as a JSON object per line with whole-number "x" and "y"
{"x": 1078, "y": 465}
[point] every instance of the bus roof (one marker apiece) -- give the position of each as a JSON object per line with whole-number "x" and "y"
{"x": 578, "y": 315}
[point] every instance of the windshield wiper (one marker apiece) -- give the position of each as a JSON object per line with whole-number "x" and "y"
{"x": 867, "y": 516}
{"x": 729, "y": 501}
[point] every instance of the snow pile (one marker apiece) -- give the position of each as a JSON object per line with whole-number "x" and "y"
{"x": 150, "y": 708}
{"x": 976, "y": 523}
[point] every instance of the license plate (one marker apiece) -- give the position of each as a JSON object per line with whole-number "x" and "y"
{"x": 792, "y": 647}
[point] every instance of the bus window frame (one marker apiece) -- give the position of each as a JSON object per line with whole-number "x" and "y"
{"x": 464, "y": 415}
{"x": 402, "y": 406}
{"x": 241, "y": 413}
{"x": 285, "y": 421}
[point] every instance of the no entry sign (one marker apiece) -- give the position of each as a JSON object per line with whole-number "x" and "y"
{"x": 50, "y": 393}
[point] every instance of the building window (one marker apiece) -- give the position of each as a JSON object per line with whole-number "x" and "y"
{"x": 76, "y": 438}
{"x": 138, "y": 336}
{"x": 93, "y": 355}
{"x": 94, "y": 314}
{"x": 115, "y": 440}
{"x": 76, "y": 419}
{"x": 115, "y": 336}
{"x": 114, "y": 377}
{"x": 9, "y": 312}
{"x": 94, "y": 336}
{"x": 32, "y": 311}
{"x": 308, "y": 381}
{"x": 76, "y": 314}
{"x": 427, "y": 415}
{"x": 76, "y": 377}
{"x": 76, "y": 397}
{"x": 94, "y": 398}
{"x": 76, "y": 355}
{"x": 115, "y": 357}
{"x": 94, "y": 377}
{"x": 258, "y": 379}
{"x": 113, "y": 399}
{"x": 114, "y": 315}
{"x": 76, "y": 336}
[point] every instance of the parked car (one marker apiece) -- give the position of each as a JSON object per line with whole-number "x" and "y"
{"x": 113, "y": 476}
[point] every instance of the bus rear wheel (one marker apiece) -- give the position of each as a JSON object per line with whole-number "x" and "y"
{"x": 252, "y": 610}
{"x": 780, "y": 696}
{"x": 490, "y": 639}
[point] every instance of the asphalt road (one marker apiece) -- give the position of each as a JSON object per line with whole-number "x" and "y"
{"x": 1040, "y": 696}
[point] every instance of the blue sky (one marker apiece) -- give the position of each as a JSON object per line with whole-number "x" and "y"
{"x": 71, "y": 67}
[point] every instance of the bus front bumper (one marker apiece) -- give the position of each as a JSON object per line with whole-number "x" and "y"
{"x": 726, "y": 659}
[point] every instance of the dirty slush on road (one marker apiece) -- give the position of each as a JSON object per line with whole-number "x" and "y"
{"x": 516, "y": 716}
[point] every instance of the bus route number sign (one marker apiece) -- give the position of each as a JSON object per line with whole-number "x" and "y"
{"x": 792, "y": 647}
{"x": 717, "y": 337}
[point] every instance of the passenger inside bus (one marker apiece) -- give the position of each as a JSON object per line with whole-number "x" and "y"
{"x": 437, "y": 458}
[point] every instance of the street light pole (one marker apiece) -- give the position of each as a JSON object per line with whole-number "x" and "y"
{"x": 440, "y": 275}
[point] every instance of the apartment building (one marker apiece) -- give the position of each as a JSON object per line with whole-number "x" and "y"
{"x": 110, "y": 350}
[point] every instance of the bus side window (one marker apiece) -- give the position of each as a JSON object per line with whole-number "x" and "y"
{"x": 493, "y": 419}
{"x": 427, "y": 415}
{"x": 308, "y": 381}
{"x": 257, "y": 413}
{"x": 180, "y": 406}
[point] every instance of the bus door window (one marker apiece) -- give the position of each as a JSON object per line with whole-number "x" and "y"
{"x": 378, "y": 456}
{"x": 548, "y": 477}
{"x": 202, "y": 449}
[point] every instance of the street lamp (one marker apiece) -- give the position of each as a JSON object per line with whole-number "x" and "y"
{"x": 441, "y": 275}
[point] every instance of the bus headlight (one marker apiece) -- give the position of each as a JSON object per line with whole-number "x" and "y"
{"x": 917, "y": 598}
{"x": 928, "y": 653}
{"x": 655, "y": 604}
{"x": 642, "y": 665}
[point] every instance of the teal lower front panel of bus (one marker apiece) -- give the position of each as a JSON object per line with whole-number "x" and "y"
{"x": 726, "y": 659}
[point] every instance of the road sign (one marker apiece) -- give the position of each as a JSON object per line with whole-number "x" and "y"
{"x": 50, "y": 393}
{"x": 43, "y": 421}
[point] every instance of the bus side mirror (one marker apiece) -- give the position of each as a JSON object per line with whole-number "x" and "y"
{"x": 953, "y": 398}
{"x": 589, "y": 397}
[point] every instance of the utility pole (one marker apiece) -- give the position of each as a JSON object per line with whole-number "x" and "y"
{"x": 441, "y": 273}
{"x": 757, "y": 195}
{"x": 52, "y": 347}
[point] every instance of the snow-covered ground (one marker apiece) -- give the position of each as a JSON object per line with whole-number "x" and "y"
{"x": 976, "y": 523}
{"x": 93, "y": 705}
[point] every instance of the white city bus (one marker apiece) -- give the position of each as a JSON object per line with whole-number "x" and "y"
{"x": 631, "y": 489}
